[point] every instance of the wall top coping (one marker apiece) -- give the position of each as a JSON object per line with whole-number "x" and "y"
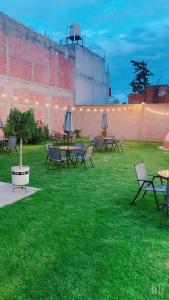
{"x": 9, "y": 25}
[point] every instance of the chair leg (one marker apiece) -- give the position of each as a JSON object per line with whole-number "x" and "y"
{"x": 156, "y": 200}
{"x": 46, "y": 159}
{"x": 91, "y": 163}
{"x": 136, "y": 196}
{"x": 143, "y": 195}
{"x": 76, "y": 162}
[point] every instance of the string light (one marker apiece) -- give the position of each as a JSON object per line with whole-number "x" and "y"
{"x": 81, "y": 109}
{"x": 88, "y": 109}
{"x": 157, "y": 112}
{"x": 47, "y": 105}
{"x": 3, "y": 95}
{"x": 95, "y": 109}
{"x": 37, "y": 103}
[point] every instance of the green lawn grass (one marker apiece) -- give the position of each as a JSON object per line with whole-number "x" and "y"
{"x": 79, "y": 238}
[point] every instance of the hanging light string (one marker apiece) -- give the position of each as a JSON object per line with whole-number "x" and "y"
{"x": 116, "y": 108}
{"x": 157, "y": 112}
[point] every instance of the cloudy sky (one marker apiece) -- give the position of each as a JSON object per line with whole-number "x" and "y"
{"x": 125, "y": 29}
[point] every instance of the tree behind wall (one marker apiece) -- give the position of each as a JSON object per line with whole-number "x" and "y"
{"x": 141, "y": 80}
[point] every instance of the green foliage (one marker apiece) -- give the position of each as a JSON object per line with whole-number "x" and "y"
{"x": 40, "y": 134}
{"x": 77, "y": 131}
{"x": 21, "y": 124}
{"x": 141, "y": 80}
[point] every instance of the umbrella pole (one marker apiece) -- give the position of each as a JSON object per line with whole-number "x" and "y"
{"x": 68, "y": 138}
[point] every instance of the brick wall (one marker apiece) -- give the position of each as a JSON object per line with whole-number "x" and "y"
{"x": 153, "y": 94}
{"x": 33, "y": 73}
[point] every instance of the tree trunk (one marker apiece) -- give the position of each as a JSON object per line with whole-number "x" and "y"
{"x": 20, "y": 153}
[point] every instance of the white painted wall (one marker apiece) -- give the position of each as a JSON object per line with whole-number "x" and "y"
{"x": 91, "y": 79}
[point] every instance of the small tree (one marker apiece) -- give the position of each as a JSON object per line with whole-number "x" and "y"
{"x": 141, "y": 80}
{"x": 21, "y": 124}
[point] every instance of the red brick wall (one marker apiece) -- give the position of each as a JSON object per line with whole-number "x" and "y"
{"x": 152, "y": 95}
{"x": 34, "y": 75}
{"x": 136, "y": 98}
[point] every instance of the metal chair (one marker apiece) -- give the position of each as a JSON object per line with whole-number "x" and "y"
{"x": 11, "y": 143}
{"x": 117, "y": 144}
{"x": 80, "y": 145}
{"x": 83, "y": 158}
{"x": 146, "y": 184}
{"x": 47, "y": 151}
{"x": 56, "y": 157}
{"x": 91, "y": 141}
{"x": 99, "y": 143}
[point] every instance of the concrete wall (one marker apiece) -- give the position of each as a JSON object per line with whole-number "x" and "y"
{"x": 131, "y": 122}
{"x": 91, "y": 79}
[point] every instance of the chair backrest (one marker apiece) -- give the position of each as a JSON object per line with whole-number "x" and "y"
{"x": 110, "y": 141}
{"x": 47, "y": 147}
{"x": 91, "y": 139}
{"x": 141, "y": 172}
{"x": 12, "y": 141}
{"x": 80, "y": 144}
{"x": 88, "y": 153}
{"x": 99, "y": 141}
{"x": 55, "y": 153}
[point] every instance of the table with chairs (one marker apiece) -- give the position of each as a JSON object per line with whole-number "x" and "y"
{"x": 109, "y": 142}
{"x": 68, "y": 155}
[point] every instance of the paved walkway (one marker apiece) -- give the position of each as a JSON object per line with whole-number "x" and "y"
{"x": 7, "y": 196}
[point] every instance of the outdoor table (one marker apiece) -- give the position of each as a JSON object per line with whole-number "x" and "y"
{"x": 164, "y": 174}
{"x": 68, "y": 150}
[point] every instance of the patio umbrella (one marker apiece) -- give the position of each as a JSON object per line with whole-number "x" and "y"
{"x": 104, "y": 123}
{"x": 68, "y": 122}
{"x": 1, "y": 124}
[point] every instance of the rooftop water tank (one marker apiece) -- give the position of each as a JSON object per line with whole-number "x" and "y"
{"x": 75, "y": 32}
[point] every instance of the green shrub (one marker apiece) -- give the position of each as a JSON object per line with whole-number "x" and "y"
{"x": 77, "y": 131}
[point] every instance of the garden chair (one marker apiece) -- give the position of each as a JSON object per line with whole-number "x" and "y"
{"x": 99, "y": 143}
{"x": 117, "y": 144}
{"x": 57, "y": 157}
{"x": 146, "y": 184}
{"x": 91, "y": 141}
{"x": 47, "y": 151}
{"x": 11, "y": 144}
{"x": 81, "y": 145}
{"x": 83, "y": 158}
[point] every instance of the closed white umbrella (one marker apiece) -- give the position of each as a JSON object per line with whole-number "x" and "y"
{"x": 68, "y": 122}
{"x": 1, "y": 124}
{"x": 104, "y": 123}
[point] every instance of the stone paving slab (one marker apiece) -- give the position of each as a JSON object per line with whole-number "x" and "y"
{"x": 8, "y": 196}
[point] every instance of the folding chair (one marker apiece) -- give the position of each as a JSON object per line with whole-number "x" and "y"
{"x": 146, "y": 184}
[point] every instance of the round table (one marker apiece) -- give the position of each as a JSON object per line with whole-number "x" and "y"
{"x": 164, "y": 174}
{"x": 68, "y": 150}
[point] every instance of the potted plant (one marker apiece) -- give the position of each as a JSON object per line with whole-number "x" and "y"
{"x": 21, "y": 124}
